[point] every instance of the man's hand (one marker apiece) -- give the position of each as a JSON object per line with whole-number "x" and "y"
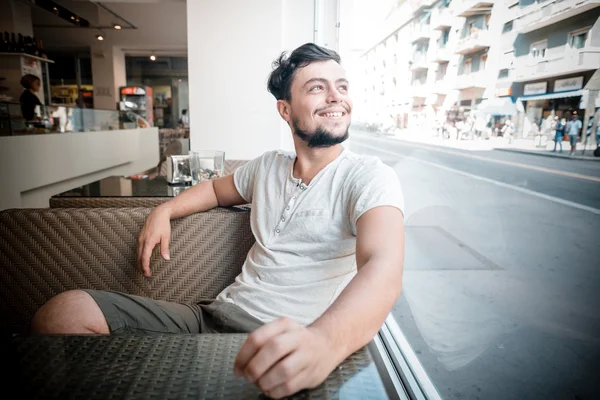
{"x": 284, "y": 357}
{"x": 157, "y": 229}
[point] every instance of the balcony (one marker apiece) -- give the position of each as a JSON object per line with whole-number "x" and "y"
{"x": 441, "y": 86}
{"x": 442, "y": 55}
{"x": 442, "y": 20}
{"x": 418, "y": 62}
{"x": 477, "y": 40}
{"x": 421, "y": 5}
{"x": 572, "y": 62}
{"x": 420, "y": 33}
{"x": 473, "y": 7}
{"x": 536, "y": 15}
{"x": 477, "y": 79}
{"x": 419, "y": 89}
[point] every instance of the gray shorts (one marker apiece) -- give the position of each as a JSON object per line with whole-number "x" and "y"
{"x": 126, "y": 313}
{"x": 573, "y": 140}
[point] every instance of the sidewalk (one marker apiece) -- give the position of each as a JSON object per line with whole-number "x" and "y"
{"x": 523, "y": 146}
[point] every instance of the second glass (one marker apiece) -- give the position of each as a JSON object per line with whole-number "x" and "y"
{"x": 206, "y": 165}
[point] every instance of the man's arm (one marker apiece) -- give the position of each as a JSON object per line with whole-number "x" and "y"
{"x": 358, "y": 313}
{"x": 283, "y": 357}
{"x": 201, "y": 197}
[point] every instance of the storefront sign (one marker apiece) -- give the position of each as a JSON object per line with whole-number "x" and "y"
{"x": 535, "y": 88}
{"x": 561, "y": 85}
{"x": 501, "y": 92}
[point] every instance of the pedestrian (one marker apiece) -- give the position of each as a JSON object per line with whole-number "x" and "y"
{"x": 573, "y": 128}
{"x": 559, "y": 132}
{"x": 508, "y": 130}
{"x": 185, "y": 118}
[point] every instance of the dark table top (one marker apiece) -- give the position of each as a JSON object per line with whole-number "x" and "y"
{"x": 119, "y": 186}
{"x": 160, "y": 367}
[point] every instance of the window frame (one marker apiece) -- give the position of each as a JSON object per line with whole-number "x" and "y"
{"x": 586, "y": 30}
{"x": 533, "y": 46}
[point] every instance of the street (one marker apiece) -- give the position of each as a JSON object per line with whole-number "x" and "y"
{"x": 501, "y": 283}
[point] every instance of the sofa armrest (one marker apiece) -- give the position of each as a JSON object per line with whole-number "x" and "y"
{"x": 44, "y": 252}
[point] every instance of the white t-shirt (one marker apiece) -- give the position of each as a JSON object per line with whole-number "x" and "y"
{"x": 574, "y": 127}
{"x": 304, "y": 255}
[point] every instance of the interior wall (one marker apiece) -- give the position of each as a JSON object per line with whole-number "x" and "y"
{"x": 230, "y": 108}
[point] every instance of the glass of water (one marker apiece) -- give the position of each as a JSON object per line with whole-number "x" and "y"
{"x": 206, "y": 165}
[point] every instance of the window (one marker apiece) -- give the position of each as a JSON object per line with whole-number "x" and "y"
{"x": 441, "y": 71}
{"x": 467, "y": 66}
{"x": 470, "y": 28}
{"x": 483, "y": 61}
{"x": 444, "y": 38}
{"x": 577, "y": 39}
{"x": 473, "y": 316}
{"x": 538, "y": 49}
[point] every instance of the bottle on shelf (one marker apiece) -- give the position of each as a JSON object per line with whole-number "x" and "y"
{"x": 36, "y": 49}
{"x": 21, "y": 44}
{"x": 41, "y": 49}
{"x": 13, "y": 43}
{"x": 5, "y": 42}
{"x": 27, "y": 45}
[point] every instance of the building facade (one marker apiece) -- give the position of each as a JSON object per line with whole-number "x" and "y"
{"x": 452, "y": 61}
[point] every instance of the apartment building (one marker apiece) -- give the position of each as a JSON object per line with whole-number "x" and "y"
{"x": 555, "y": 54}
{"x": 450, "y": 60}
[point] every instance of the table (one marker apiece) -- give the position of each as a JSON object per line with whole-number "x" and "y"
{"x": 160, "y": 367}
{"x": 118, "y": 191}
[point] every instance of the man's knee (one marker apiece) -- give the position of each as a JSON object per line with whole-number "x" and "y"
{"x": 71, "y": 312}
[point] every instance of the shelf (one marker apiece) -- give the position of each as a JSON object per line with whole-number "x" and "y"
{"x": 27, "y": 55}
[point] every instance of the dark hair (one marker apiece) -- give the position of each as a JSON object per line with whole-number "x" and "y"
{"x": 285, "y": 67}
{"x": 27, "y": 81}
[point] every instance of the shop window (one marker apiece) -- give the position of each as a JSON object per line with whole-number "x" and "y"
{"x": 538, "y": 49}
{"x": 577, "y": 39}
{"x": 508, "y": 26}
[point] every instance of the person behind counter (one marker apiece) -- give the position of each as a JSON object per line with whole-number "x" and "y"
{"x": 28, "y": 99}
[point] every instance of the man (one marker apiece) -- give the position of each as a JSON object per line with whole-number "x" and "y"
{"x": 508, "y": 130}
{"x": 573, "y": 128}
{"x": 326, "y": 267}
{"x": 559, "y": 129}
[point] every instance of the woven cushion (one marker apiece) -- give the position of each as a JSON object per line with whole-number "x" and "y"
{"x": 44, "y": 252}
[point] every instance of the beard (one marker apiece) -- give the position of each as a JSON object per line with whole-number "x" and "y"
{"x": 320, "y": 137}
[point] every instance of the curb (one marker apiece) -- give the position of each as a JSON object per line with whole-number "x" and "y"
{"x": 546, "y": 153}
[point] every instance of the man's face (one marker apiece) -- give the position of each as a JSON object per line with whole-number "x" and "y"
{"x": 320, "y": 108}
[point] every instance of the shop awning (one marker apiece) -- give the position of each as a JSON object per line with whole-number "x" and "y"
{"x": 549, "y": 96}
{"x": 499, "y": 106}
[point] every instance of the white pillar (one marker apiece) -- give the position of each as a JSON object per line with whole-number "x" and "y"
{"x": 231, "y": 45}
{"x": 108, "y": 71}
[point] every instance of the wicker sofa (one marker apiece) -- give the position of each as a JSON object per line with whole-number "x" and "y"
{"x": 44, "y": 252}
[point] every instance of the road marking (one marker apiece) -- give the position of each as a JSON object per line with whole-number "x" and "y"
{"x": 498, "y": 183}
{"x": 513, "y": 164}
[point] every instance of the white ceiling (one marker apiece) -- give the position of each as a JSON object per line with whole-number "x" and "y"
{"x": 161, "y": 25}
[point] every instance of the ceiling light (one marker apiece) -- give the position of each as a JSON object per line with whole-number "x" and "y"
{"x": 72, "y": 17}
{"x": 99, "y": 37}
{"x": 153, "y": 57}
{"x": 55, "y": 9}
{"x": 117, "y": 27}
